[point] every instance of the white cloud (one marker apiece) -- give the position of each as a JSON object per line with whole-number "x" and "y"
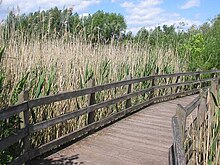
{"x": 27, "y": 6}
{"x": 141, "y": 4}
{"x": 190, "y": 4}
{"x": 138, "y": 13}
{"x": 149, "y": 14}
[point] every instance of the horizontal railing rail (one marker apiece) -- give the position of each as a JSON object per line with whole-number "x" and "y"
{"x": 194, "y": 83}
{"x": 10, "y": 111}
{"x": 178, "y": 155}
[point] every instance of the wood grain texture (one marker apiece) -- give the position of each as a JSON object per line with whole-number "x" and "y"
{"x": 142, "y": 138}
{"x": 15, "y": 137}
{"x": 10, "y": 111}
{"x": 178, "y": 145}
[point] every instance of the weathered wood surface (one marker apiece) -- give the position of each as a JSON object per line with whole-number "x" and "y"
{"x": 142, "y": 138}
{"x": 8, "y": 112}
{"x": 15, "y": 137}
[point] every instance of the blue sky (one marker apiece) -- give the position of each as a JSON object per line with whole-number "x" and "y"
{"x": 137, "y": 13}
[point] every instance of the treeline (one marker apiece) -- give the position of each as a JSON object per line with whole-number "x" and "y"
{"x": 201, "y": 44}
{"x": 98, "y": 27}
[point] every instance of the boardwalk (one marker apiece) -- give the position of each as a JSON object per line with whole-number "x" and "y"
{"x": 142, "y": 138}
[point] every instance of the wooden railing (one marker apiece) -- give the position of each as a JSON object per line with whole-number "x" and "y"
{"x": 184, "y": 84}
{"x": 178, "y": 154}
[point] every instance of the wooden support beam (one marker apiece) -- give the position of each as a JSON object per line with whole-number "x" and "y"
{"x": 178, "y": 143}
{"x": 128, "y": 101}
{"x": 24, "y": 96}
{"x": 202, "y": 108}
{"x": 91, "y": 115}
{"x": 177, "y": 80}
{"x": 181, "y": 113}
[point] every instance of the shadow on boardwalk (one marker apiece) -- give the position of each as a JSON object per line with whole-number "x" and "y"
{"x": 60, "y": 160}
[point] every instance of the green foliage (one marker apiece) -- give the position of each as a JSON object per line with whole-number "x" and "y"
{"x": 212, "y": 49}
{"x": 165, "y": 36}
{"x": 196, "y": 46}
{"x": 98, "y": 27}
{"x": 102, "y": 26}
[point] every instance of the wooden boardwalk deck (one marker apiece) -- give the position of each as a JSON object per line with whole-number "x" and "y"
{"x": 142, "y": 138}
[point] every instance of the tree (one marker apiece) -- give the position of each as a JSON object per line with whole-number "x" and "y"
{"x": 212, "y": 42}
{"x": 142, "y": 35}
{"x": 106, "y": 26}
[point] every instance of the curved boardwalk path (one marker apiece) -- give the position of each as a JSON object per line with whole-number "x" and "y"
{"x": 142, "y": 138}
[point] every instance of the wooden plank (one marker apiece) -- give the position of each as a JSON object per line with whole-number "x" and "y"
{"x": 91, "y": 115}
{"x": 202, "y": 108}
{"x": 70, "y": 115}
{"x": 171, "y": 157}
{"x": 118, "y": 147}
{"x": 57, "y": 142}
{"x": 104, "y": 143}
{"x": 215, "y": 87}
{"x": 181, "y": 84}
{"x": 68, "y": 95}
{"x": 21, "y": 159}
{"x": 197, "y": 78}
{"x": 152, "y": 134}
{"x": 177, "y": 80}
{"x": 149, "y": 90}
{"x": 192, "y": 105}
{"x": 128, "y": 101}
{"x": 140, "y": 144}
{"x": 7, "y": 112}
{"x": 24, "y": 116}
{"x": 24, "y": 96}
{"x": 12, "y": 110}
{"x": 15, "y": 137}
{"x": 178, "y": 143}
{"x": 159, "y": 87}
{"x": 181, "y": 118}
{"x": 151, "y": 94}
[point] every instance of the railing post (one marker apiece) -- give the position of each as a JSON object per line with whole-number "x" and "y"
{"x": 177, "y": 80}
{"x": 202, "y": 108}
{"x": 24, "y": 96}
{"x": 181, "y": 117}
{"x": 198, "y": 78}
{"x": 214, "y": 86}
{"x": 179, "y": 152}
{"x": 91, "y": 101}
{"x": 214, "y": 91}
{"x": 152, "y": 85}
{"x": 128, "y": 101}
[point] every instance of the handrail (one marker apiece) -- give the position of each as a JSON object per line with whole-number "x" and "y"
{"x": 176, "y": 152}
{"x": 4, "y": 113}
{"x": 26, "y": 105}
{"x": 81, "y": 92}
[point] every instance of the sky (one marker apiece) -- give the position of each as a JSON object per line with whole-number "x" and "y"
{"x": 137, "y": 13}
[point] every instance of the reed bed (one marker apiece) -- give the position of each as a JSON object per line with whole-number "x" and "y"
{"x": 204, "y": 138}
{"x": 48, "y": 66}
